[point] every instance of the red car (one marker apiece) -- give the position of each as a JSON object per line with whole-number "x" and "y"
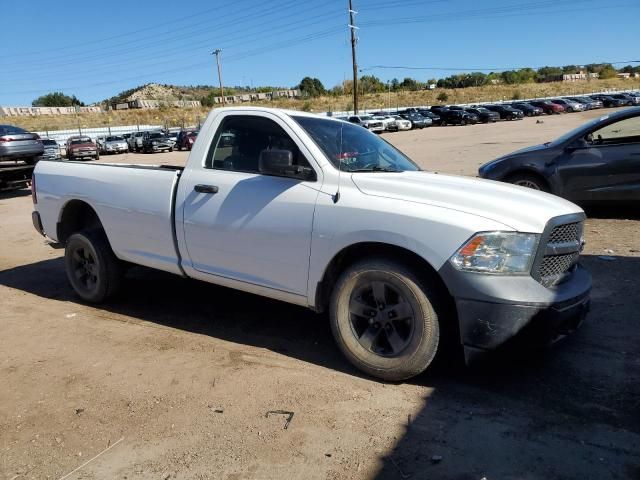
{"x": 80, "y": 147}
{"x": 186, "y": 139}
{"x": 547, "y": 106}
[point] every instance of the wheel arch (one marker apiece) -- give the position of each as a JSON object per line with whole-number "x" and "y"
{"x": 361, "y": 250}
{"x": 76, "y": 215}
{"x": 526, "y": 170}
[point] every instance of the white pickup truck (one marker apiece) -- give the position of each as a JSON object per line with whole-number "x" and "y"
{"x": 325, "y": 214}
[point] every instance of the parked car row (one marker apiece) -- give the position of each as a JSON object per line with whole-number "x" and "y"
{"x": 421, "y": 117}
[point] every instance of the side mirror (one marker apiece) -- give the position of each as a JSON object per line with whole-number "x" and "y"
{"x": 280, "y": 163}
{"x": 578, "y": 144}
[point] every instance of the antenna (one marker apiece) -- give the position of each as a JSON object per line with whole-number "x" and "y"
{"x": 336, "y": 197}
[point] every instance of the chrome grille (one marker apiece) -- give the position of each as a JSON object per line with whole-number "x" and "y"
{"x": 561, "y": 253}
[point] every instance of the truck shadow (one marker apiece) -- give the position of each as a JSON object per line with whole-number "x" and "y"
{"x": 531, "y": 414}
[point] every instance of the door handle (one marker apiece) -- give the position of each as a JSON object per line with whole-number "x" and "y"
{"x": 206, "y": 189}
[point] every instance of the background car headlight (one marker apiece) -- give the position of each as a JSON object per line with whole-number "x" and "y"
{"x": 154, "y": 143}
{"x": 497, "y": 252}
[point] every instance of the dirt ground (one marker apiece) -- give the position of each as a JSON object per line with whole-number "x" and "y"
{"x": 174, "y": 378}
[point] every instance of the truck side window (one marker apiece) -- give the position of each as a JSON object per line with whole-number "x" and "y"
{"x": 239, "y": 140}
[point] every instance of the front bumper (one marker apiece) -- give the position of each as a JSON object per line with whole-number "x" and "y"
{"x": 495, "y": 310}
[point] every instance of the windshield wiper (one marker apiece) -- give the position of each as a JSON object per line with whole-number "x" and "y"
{"x": 375, "y": 169}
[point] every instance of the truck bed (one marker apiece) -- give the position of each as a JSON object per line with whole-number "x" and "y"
{"x": 135, "y": 204}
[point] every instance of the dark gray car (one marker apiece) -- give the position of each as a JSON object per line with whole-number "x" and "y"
{"x": 18, "y": 144}
{"x": 598, "y": 162}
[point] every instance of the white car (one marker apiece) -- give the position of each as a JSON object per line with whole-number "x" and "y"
{"x": 402, "y": 123}
{"x": 324, "y": 214}
{"x": 368, "y": 122}
{"x": 112, "y": 144}
{"x": 388, "y": 122}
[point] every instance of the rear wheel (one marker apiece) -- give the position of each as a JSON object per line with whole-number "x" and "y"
{"x": 529, "y": 181}
{"x": 92, "y": 268}
{"x": 383, "y": 319}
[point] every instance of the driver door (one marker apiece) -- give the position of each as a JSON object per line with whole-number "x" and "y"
{"x": 605, "y": 165}
{"x": 242, "y": 225}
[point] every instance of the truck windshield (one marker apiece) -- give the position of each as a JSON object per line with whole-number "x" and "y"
{"x": 353, "y": 148}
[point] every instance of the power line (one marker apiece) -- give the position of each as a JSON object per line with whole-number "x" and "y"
{"x": 146, "y": 61}
{"x": 499, "y": 12}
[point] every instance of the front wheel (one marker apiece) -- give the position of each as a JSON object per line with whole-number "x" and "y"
{"x": 529, "y": 181}
{"x": 92, "y": 268}
{"x": 383, "y": 319}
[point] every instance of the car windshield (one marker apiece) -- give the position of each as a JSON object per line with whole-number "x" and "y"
{"x": 482, "y": 110}
{"x": 49, "y": 142}
{"x": 156, "y": 135}
{"x": 115, "y": 139}
{"x": 78, "y": 141}
{"x": 353, "y": 148}
{"x": 366, "y": 117}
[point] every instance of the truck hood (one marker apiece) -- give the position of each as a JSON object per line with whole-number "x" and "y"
{"x": 519, "y": 208}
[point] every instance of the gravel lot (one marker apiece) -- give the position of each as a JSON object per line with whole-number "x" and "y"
{"x": 174, "y": 378}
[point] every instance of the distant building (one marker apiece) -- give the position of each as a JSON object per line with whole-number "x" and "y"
{"x": 37, "y": 111}
{"x": 578, "y": 76}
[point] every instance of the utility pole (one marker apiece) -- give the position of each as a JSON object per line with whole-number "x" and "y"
{"x": 353, "y": 28}
{"x": 217, "y": 53}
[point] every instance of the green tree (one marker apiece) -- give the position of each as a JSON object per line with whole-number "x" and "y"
{"x": 548, "y": 74}
{"x": 371, "y": 84}
{"x": 443, "y": 97}
{"x": 411, "y": 84}
{"x": 312, "y": 87}
{"x": 57, "y": 99}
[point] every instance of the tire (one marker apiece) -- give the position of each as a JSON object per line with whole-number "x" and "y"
{"x": 171, "y": 149}
{"x": 70, "y": 158}
{"x": 391, "y": 350}
{"x": 529, "y": 181}
{"x": 92, "y": 268}
{"x": 463, "y": 122}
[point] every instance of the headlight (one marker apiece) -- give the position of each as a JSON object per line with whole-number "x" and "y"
{"x": 497, "y": 253}
{"x": 154, "y": 143}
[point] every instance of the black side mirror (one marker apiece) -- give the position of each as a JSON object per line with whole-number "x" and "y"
{"x": 280, "y": 163}
{"x": 578, "y": 144}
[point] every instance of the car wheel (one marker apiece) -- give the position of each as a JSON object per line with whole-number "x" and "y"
{"x": 384, "y": 320}
{"x": 529, "y": 181}
{"x": 569, "y": 110}
{"x": 70, "y": 158}
{"x": 443, "y": 123}
{"x": 171, "y": 149}
{"x": 463, "y": 122}
{"x": 92, "y": 268}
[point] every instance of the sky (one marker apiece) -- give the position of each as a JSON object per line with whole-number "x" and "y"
{"x": 95, "y": 51}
